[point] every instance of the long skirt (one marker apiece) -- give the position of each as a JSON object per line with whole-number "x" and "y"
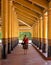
{"x": 25, "y": 46}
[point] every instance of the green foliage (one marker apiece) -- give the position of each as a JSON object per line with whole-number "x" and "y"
{"x": 0, "y": 35}
{"x": 21, "y": 35}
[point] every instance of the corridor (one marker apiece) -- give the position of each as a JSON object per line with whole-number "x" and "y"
{"x": 25, "y": 17}
{"x": 17, "y": 57}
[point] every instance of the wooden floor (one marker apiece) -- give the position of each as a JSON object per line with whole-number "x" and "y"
{"x": 17, "y": 57}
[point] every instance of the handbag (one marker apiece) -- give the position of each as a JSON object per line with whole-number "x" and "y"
{"x": 22, "y": 43}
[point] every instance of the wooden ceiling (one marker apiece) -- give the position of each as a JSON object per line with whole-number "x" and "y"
{"x": 29, "y": 11}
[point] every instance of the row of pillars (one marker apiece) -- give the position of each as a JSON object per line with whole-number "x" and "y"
{"x": 9, "y": 27}
{"x": 42, "y": 32}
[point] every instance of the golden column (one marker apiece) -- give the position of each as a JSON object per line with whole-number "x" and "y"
{"x": 4, "y": 15}
{"x": 10, "y": 5}
{"x": 33, "y": 30}
{"x": 34, "y": 33}
{"x": 11, "y": 25}
{"x": 15, "y": 28}
{"x": 37, "y": 34}
{"x": 45, "y": 22}
{"x": 40, "y": 32}
{"x": 49, "y": 30}
{"x": 38, "y": 29}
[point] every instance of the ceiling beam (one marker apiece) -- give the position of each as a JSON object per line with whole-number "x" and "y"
{"x": 30, "y": 14}
{"x": 30, "y": 6}
{"x": 25, "y": 15}
{"x": 23, "y": 9}
{"x": 19, "y": 7}
{"x": 21, "y": 24}
{"x": 41, "y": 3}
{"x": 25, "y": 20}
{"x": 28, "y": 20}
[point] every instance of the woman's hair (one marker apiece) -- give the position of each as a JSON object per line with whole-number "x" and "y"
{"x": 25, "y": 35}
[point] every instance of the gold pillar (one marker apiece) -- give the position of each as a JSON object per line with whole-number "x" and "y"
{"x": 45, "y": 22}
{"x": 5, "y": 18}
{"x": 15, "y": 25}
{"x": 33, "y": 30}
{"x": 41, "y": 29}
{"x": 9, "y": 26}
{"x": 40, "y": 32}
{"x": 49, "y": 30}
{"x": 12, "y": 24}
{"x": 49, "y": 25}
{"x": 36, "y": 33}
{"x": 14, "y": 28}
{"x": 10, "y": 18}
{"x": 4, "y": 15}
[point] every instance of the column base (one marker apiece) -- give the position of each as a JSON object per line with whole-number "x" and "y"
{"x": 9, "y": 48}
{"x": 44, "y": 48}
{"x": 49, "y": 51}
{"x": 40, "y": 45}
{"x": 4, "y": 56}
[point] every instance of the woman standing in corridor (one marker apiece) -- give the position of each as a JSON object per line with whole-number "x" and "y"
{"x": 25, "y": 45}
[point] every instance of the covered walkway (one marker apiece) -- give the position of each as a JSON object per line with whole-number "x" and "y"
{"x": 17, "y": 57}
{"x": 20, "y": 17}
